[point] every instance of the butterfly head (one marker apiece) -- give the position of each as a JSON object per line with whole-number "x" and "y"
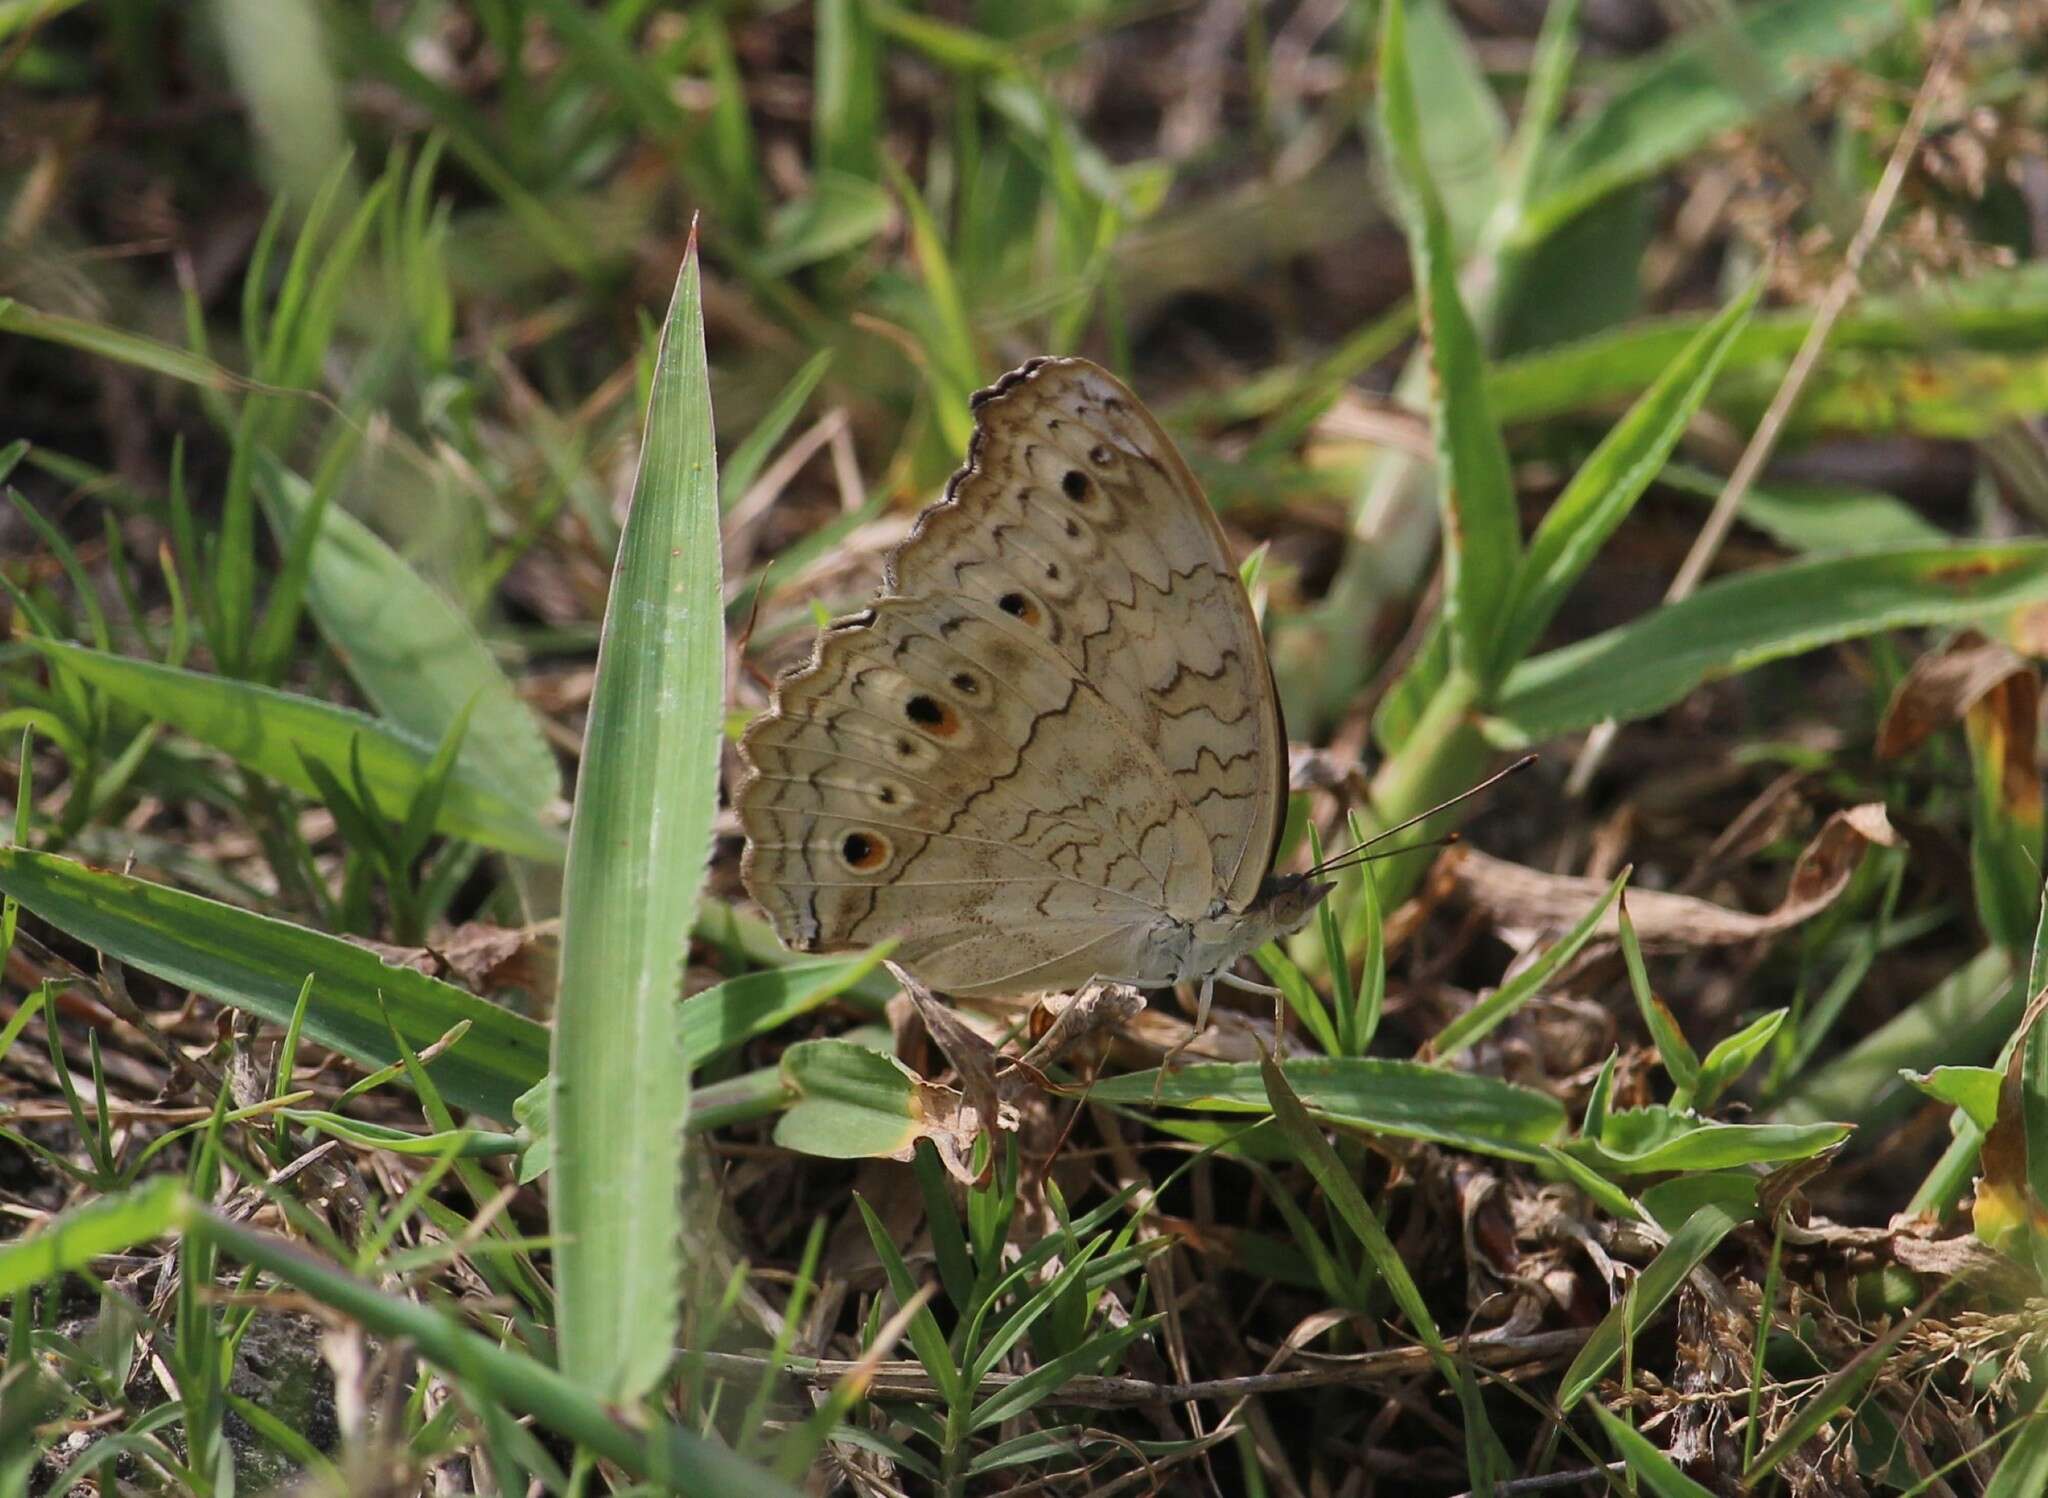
{"x": 1285, "y": 901}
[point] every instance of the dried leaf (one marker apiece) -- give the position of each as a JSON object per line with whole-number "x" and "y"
{"x": 1943, "y": 686}
{"x": 1523, "y": 897}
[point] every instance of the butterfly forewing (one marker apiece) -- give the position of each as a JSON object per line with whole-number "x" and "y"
{"x": 1054, "y": 729}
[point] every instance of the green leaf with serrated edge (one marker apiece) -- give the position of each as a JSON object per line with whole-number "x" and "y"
{"x": 1404, "y": 1098}
{"x": 1739, "y": 623}
{"x": 274, "y": 733}
{"x": 639, "y": 846}
{"x": 256, "y": 963}
{"x": 1658, "y": 1282}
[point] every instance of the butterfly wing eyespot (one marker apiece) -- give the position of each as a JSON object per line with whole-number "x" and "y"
{"x": 864, "y": 852}
{"x": 1021, "y": 607}
{"x": 932, "y": 715}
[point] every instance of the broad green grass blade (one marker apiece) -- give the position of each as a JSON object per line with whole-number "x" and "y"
{"x": 1742, "y": 622}
{"x": 1613, "y": 478}
{"x": 69, "y": 1242}
{"x": 1404, "y": 1098}
{"x": 2002, "y": 312}
{"x": 1656, "y": 1470}
{"x": 1681, "y": 97}
{"x": 1651, "y": 1140}
{"x": 415, "y": 656}
{"x": 684, "y": 1461}
{"x": 1482, "y": 541}
{"x": 256, "y": 963}
{"x": 1688, "y": 1247}
{"x": 269, "y": 731}
{"x": 638, "y": 847}
{"x": 1963, "y": 1019}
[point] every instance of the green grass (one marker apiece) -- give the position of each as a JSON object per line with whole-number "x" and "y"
{"x": 365, "y": 507}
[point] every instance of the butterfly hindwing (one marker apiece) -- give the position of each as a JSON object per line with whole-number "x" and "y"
{"x": 1054, "y": 730}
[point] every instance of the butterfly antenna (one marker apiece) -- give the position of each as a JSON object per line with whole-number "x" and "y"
{"x": 1363, "y": 855}
{"x": 1423, "y": 816}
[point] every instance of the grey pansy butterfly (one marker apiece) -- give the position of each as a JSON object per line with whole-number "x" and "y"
{"x": 1050, "y": 750}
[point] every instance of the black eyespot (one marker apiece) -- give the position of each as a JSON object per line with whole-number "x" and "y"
{"x": 1072, "y": 529}
{"x": 1013, "y": 603}
{"x": 1100, "y": 455}
{"x": 886, "y": 795}
{"x": 932, "y": 714}
{"x": 1076, "y": 484}
{"x": 904, "y": 748}
{"x": 1052, "y": 571}
{"x": 863, "y": 852}
{"x": 965, "y": 684}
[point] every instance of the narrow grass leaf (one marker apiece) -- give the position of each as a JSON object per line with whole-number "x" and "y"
{"x": 1656, "y": 1469}
{"x": 720, "y": 1019}
{"x": 2002, "y": 312}
{"x": 1610, "y": 481}
{"x": 275, "y": 733}
{"x": 1834, "y": 1397}
{"x": 677, "y": 1458}
{"x": 117, "y": 344}
{"x": 1403, "y": 1098}
{"x": 1482, "y": 542}
{"x": 1688, "y": 1248}
{"x": 70, "y": 1241}
{"x": 744, "y": 465}
{"x": 415, "y": 656}
{"x": 1483, "y": 1450}
{"x": 1683, "y": 95}
{"x": 1742, "y": 622}
{"x": 2023, "y": 1470}
{"x": 256, "y": 963}
{"x": 1490, "y": 1011}
{"x": 638, "y": 846}
{"x": 1643, "y": 1141}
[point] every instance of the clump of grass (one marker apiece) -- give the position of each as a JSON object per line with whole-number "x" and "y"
{"x": 363, "y": 505}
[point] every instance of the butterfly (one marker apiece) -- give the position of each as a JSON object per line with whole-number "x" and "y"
{"x": 1050, "y": 751}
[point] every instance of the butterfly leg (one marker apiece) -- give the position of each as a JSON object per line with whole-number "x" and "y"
{"x": 1244, "y": 984}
